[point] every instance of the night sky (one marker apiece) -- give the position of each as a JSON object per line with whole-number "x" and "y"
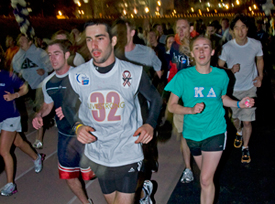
{"x": 39, "y": 7}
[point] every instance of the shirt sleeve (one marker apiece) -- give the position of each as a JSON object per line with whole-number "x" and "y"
{"x": 78, "y": 59}
{"x": 226, "y": 81}
{"x": 259, "y": 50}
{"x": 174, "y": 87}
{"x": 16, "y": 81}
{"x": 148, "y": 90}
{"x": 156, "y": 63}
{"x": 47, "y": 98}
{"x": 223, "y": 54}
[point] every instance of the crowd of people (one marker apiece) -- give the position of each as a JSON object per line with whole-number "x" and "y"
{"x": 110, "y": 89}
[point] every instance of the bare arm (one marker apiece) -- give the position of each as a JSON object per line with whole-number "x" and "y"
{"x": 37, "y": 122}
{"x": 174, "y": 107}
{"x": 246, "y": 102}
{"x": 22, "y": 91}
{"x": 234, "y": 69}
{"x": 260, "y": 67}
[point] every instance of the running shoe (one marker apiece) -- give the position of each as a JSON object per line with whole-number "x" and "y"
{"x": 9, "y": 189}
{"x": 238, "y": 140}
{"x": 38, "y": 163}
{"x": 37, "y": 144}
{"x": 147, "y": 188}
{"x": 187, "y": 176}
{"x": 245, "y": 156}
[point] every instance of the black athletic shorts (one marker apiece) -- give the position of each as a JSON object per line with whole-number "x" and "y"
{"x": 122, "y": 179}
{"x": 211, "y": 144}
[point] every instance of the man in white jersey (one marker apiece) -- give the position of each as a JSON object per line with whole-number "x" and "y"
{"x": 239, "y": 54}
{"x": 110, "y": 122}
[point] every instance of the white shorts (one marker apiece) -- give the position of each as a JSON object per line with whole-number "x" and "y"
{"x": 11, "y": 124}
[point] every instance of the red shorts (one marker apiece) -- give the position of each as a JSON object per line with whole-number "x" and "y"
{"x": 75, "y": 172}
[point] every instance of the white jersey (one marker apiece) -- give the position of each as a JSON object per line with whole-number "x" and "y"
{"x": 232, "y": 53}
{"x": 110, "y": 105}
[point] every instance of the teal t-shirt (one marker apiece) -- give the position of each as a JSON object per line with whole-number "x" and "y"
{"x": 194, "y": 88}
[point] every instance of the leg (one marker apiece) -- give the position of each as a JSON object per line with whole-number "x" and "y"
{"x": 209, "y": 163}
{"x": 185, "y": 153}
{"x": 118, "y": 198}
{"x": 38, "y": 144}
{"x": 24, "y": 146}
{"x": 247, "y": 131}
{"x": 76, "y": 187}
{"x": 6, "y": 141}
{"x": 187, "y": 174}
{"x": 237, "y": 124}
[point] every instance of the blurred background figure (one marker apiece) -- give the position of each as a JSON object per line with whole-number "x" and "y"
{"x": 11, "y": 50}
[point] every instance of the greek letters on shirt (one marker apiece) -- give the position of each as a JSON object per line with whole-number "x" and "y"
{"x": 28, "y": 64}
{"x": 200, "y": 90}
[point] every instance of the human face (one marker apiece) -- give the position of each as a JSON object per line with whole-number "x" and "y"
{"x": 183, "y": 29}
{"x": 169, "y": 42}
{"x": 58, "y": 58}
{"x": 210, "y": 30}
{"x": 152, "y": 39}
{"x": 202, "y": 51}
{"x": 100, "y": 45}
{"x": 240, "y": 31}
{"x": 225, "y": 24}
{"x": 160, "y": 30}
{"x": 24, "y": 43}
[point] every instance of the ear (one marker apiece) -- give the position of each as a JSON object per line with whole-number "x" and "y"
{"x": 114, "y": 41}
{"x": 133, "y": 33}
{"x": 67, "y": 55}
{"x": 212, "y": 52}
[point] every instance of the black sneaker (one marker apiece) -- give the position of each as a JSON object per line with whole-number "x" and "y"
{"x": 245, "y": 156}
{"x": 238, "y": 141}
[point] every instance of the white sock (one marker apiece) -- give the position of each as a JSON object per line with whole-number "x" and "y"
{"x": 243, "y": 147}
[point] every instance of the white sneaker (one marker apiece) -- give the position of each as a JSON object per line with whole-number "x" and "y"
{"x": 187, "y": 176}
{"x": 90, "y": 201}
{"x": 9, "y": 189}
{"x": 38, "y": 164}
{"x": 37, "y": 144}
{"x": 147, "y": 188}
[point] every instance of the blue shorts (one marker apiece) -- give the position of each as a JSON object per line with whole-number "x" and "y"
{"x": 69, "y": 151}
{"x": 211, "y": 144}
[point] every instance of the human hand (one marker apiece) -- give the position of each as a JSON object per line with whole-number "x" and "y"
{"x": 84, "y": 135}
{"x": 145, "y": 133}
{"x": 235, "y": 68}
{"x": 40, "y": 72}
{"x": 59, "y": 113}
{"x": 37, "y": 122}
{"x": 247, "y": 102}
{"x": 8, "y": 96}
{"x": 198, "y": 108}
{"x": 257, "y": 81}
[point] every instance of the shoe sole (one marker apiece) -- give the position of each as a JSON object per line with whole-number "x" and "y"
{"x": 186, "y": 181}
{"x": 246, "y": 161}
{"x": 37, "y": 147}
{"x": 238, "y": 141}
{"x": 13, "y": 192}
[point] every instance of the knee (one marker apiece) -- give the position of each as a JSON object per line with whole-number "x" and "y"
{"x": 206, "y": 181}
{"x": 4, "y": 153}
{"x": 246, "y": 123}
